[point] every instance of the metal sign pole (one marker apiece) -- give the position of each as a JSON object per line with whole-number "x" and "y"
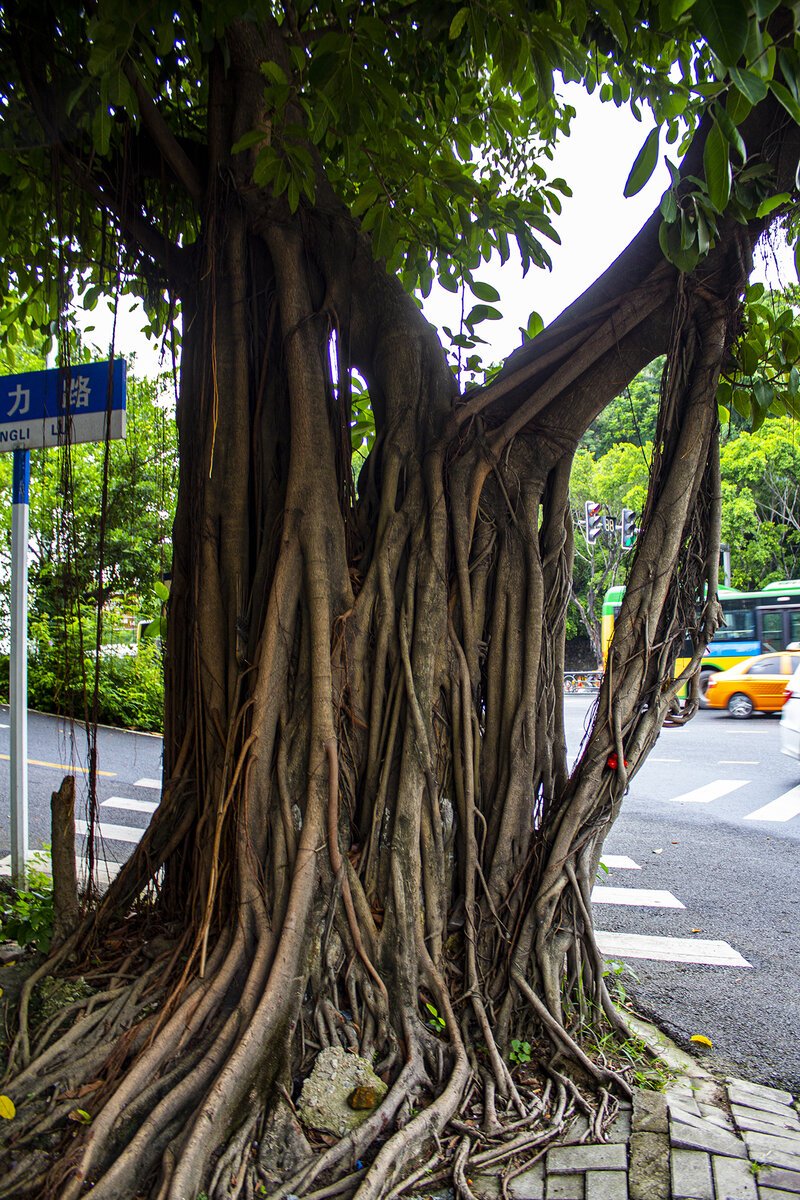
{"x": 18, "y": 666}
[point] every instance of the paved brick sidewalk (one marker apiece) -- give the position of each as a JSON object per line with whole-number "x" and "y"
{"x": 701, "y": 1140}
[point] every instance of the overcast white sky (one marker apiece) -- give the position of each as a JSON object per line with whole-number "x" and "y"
{"x": 595, "y": 226}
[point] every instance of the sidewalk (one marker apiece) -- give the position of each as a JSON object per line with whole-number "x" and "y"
{"x": 702, "y": 1139}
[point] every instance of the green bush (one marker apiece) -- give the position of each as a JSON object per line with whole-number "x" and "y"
{"x": 130, "y": 688}
{"x": 27, "y": 918}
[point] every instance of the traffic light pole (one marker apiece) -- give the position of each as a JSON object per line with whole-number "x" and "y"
{"x": 18, "y": 666}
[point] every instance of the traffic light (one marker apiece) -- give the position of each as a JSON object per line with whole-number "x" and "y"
{"x": 594, "y": 521}
{"x": 629, "y": 530}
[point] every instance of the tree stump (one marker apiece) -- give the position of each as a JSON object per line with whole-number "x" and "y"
{"x": 65, "y": 875}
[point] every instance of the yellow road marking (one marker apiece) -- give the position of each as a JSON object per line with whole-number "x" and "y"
{"x": 34, "y": 762}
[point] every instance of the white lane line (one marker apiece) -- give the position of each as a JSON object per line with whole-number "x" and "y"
{"x": 782, "y": 809}
{"x": 662, "y": 760}
{"x": 644, "y": 897}
{"x": 738, "y": 762}
{"x": 114, "y": 833}
{"x": 104, "y": 871}
{"x": 665, "y": 949}
{"x": 619, "y": 862}
{"x": 149, "y": 783}
{"x": 2, "y": 726}
{"x": 710, "y": 791}
{"x": 145, "y": 806}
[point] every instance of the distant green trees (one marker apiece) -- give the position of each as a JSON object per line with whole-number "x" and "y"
{"x": 760, "y": 470}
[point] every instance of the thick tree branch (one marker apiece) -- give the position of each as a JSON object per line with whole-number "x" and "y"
{"x": 172, "y": 152}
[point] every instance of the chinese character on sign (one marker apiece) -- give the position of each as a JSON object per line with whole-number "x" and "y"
{"x": 22, "y": 401}
{"x": 79, "y": 392}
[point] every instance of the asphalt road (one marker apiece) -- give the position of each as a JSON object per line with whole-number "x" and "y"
{"x": 696, "y": 839}
{"x": 693, "y": 821}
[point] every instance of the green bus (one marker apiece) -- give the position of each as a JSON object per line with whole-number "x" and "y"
{"x": 754, "y": 623}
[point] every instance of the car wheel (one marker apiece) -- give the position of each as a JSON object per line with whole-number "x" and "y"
{"x": 740, "y": 706}
{"x": 705, "y": 676}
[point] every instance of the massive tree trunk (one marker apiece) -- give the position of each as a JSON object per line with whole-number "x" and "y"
{"x": 367, "y": 810}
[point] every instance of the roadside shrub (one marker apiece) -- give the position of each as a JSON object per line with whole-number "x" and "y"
{"x": 130, "y": 689}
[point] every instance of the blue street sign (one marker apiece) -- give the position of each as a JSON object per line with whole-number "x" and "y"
{"x": 43, "y": 408}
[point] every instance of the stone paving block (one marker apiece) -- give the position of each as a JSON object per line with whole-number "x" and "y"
{"x": 565, "y": 1160}
{"x": 691, "y": 1175}
{"x": 488, "y": 1187}
{"x": 738, "y": 1095}
{"x": 733, "y": 1179}
{"x": 704, "y": 1122}
{"x": 682, "y": 1098}
{"x": 716, "y": 1116}
{"x": 774, "y": 1177}
{"x": 759, "y": 1089}
{"x": 648, "y": 1171}
{"x": 577, "y": 1130}
{"x": 766, "y": 1148}
{"x": 529, "y": 1185}
{"x": 746, "y": 1117}
{"x": 710, "y": 1139}
{"x": 620, "y": 1128}
{"x": 772, "y": 1194}
{"x": 564, "y": 1187}
{"x": 649, "y": 1112}
{"x": 606, "y": 1185}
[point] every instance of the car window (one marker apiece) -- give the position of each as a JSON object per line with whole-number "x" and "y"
{"x": 794, "y": 662}
{"x": 771, "y": 665}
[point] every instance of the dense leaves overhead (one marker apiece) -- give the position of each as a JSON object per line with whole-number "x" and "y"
{"x": 433, "y": 123}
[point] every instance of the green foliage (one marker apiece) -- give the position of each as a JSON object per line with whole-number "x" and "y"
{"x": 436, "y": 1022}
{"x": 434, "y": 124}
{"x": 520, "y": 1052}
{"x": 630, "y": 417}
{"x": 28, "y": 917}
{"x": 764, "y": 374}
{"x": 760, "y": 502}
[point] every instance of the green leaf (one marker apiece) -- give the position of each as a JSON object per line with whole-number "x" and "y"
{"x": 644, "y": 165}
{"x": 252, "y": 138}
{"x": 717, "y": 167}
{"x": 484, "y": 291}
{"x": 797, "y": 257}
{"x": 787, "y": 100}
{"x": 728, "y": 127}
{"x": 483, "y": 312}
{"x": 723, "y": 23}
{"x": 457, "y": 24}
{"x": 751, "y": 86}
{"x": 771, "y": 203}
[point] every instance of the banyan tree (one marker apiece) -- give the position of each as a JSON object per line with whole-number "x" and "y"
{"x": 368, "y": 836}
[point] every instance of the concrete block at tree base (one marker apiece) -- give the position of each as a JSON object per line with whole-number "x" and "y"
{"x": 606, "y": 1185}
{"x": 733, "y": 1178}
{"x": 649, "y": 1112}
{"x": 324, "y": 1102}
{"x": 648, "y": 1176}
{"x": 691, "y": 1175}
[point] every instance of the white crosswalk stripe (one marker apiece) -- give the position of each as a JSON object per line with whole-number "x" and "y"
{"x": 129, "y": 805}
{"x": 710, "y": 791}
{"x": 155, "y": 784}
{"x": 669, "y": 949}
{"x": 619, "y": 862}
{"x": 637, "y": 897}
{"x": 782, "y": 809}
{"x": 112, "y": 833}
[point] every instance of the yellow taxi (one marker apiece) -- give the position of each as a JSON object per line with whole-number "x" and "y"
{"x": 753, "y": 685}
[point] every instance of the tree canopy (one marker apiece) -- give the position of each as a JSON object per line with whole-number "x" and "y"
{"x": 369, "y": 838}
